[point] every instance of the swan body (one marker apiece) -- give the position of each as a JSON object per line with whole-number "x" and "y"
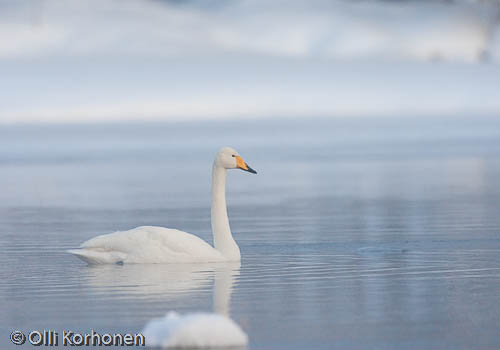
{"x": 150, "y": 244}
{"x": 147, "y": 244}
{"x": 195, "y": 330}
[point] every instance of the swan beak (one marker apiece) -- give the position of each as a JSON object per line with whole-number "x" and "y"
{"x": 240, "y": 163}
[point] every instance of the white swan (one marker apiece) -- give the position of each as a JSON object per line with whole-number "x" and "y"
{"x": 149, "y": 244}
{"x": 195, "y": 330}
{"x": 167, "y": 284}
{"x": 200, "y": 329}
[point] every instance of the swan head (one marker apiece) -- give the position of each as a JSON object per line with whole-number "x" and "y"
{"x": 228, "y": 158}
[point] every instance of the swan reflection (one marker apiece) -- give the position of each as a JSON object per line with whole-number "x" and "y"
{"x": 166, "y": 282}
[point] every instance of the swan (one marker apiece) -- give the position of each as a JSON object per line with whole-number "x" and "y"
{"x": 150, "y": 244}
{"x": 194, "y": 330}
{"x": 200, "y": 329}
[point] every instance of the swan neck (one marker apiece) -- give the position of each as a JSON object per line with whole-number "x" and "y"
{"x": 223, "y": 239}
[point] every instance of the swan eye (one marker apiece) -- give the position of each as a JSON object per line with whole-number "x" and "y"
{"x": 234, "y": 155}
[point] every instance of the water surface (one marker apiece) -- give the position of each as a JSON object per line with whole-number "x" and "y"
{"x": 364, "y": 234}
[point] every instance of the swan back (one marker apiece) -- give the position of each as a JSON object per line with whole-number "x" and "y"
{"x": 147, "y": 244}
{"x": 196, "y": 330}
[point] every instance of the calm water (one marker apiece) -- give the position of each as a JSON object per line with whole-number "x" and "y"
{"x": 365, "y": 234}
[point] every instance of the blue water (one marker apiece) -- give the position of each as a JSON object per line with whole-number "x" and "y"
{"x": 355, "y": 234}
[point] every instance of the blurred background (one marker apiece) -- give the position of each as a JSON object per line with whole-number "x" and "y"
{"x": 80, "y": 61}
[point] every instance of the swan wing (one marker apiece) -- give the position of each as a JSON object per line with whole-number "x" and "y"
{"x": 147, "y": 244}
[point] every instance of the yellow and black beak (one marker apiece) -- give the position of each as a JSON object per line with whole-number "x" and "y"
{"x": 240, "y": 163}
